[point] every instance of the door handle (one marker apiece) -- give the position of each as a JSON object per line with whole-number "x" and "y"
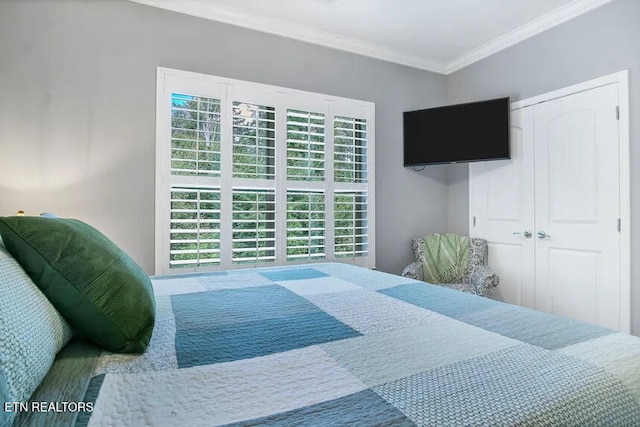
{"x": 542, "y": 235}
{"x": 525, "y": 233}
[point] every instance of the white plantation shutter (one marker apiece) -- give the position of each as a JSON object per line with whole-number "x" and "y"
{"x": 253, "y": 161}
{"x": 351, "y": 228}
{"x": 254, "y": 224}
{"x": 305, "y": 146}
{"x": 195, "y": 135}
{"x": 350, "y": 150}
{"x": 305, "y": 225}
{"x": 252, "y": 175}
{"x": 195, "y": 227}
{"x": 254, "y": 141}
{"x": 350, "y": 224}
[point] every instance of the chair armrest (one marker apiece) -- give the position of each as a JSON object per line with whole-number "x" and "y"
{"x": 484, "y": 279}
{"x": 413, "y": 271}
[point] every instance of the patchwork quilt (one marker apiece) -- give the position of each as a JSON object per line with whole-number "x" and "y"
{"x": 332, "y": 344}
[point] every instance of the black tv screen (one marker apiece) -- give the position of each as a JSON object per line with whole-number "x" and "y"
{"x": 457, "y": 133}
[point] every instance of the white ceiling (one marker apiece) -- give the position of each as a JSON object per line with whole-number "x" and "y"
{"x": 435, "y": 35}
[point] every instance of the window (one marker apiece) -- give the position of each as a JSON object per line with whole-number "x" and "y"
{"x": 257, "y": 175}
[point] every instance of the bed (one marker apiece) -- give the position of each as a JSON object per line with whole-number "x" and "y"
{"x": 333, "y": 344}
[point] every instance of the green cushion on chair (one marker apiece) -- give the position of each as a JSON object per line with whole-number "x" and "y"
{"x": 100, "y": 290}
{"x": 445, "y": 258}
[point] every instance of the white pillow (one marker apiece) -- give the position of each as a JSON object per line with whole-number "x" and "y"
{"x": 31, "y": 334}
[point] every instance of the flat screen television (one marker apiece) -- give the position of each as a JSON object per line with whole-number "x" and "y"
{"x": 457, "y": 133}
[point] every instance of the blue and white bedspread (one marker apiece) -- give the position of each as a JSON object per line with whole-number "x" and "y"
{"x": 331, "y": 344}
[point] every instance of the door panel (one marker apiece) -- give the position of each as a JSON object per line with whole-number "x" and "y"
{"x": 502, "y": 204}
{"x": 577, "y": 204}
{"x": 503, "y": 258}
{"x": 572, "y": 170}
{"x": 580, "y": 279}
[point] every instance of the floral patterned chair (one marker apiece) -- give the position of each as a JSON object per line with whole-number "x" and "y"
{"x": 479, "y": 279}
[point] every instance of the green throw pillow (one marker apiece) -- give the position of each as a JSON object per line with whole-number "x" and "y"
{"x": 103, "y": 294}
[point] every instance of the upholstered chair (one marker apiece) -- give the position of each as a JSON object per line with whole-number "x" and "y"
{"x": 477, "y": 278}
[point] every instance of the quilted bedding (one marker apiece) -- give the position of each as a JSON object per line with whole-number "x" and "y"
{"x": 332, "y": 344}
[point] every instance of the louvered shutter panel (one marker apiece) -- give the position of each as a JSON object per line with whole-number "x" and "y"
{"x": 305, "y": 146}
{"x": 195, "y": 135}
{"x": 305, "y": 225}
{"x": 350, "y": 224}
{"x": 350, "y": 150}
{"x": 253, "y": 218}
{"x": 195, "y": 227}
{"x": 254, "y": 141}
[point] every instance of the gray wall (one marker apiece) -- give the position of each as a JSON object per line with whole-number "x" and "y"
{"x": 600, "y": 42}
{"x": 77, "y": 113}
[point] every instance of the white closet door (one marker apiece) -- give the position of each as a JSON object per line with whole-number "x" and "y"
{"x": 502, "y": 212}
{"x": 577, "y": 206}
{"x": 563, "y": 185}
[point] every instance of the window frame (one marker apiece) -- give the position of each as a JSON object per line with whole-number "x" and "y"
{"x": 227, "y": 90}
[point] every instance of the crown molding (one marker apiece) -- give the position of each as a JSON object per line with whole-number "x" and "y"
{"x": 537, "y": 26}
{"x": 295, "y": 31}
{"x": 291, "y": 30}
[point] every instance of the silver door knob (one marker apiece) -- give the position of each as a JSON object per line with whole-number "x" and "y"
{"x": 543, "y": 235}
{"x": 525, "y": 233}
